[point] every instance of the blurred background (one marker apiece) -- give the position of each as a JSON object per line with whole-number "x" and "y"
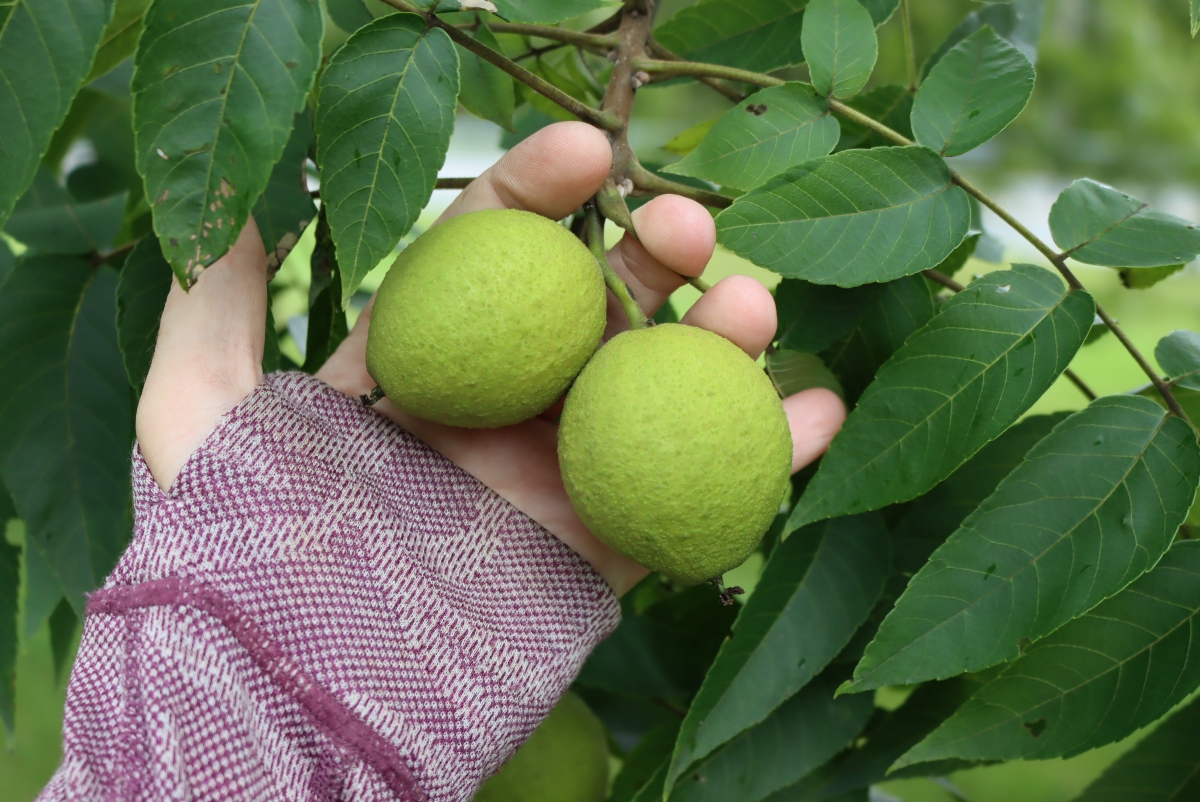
{"x": 1117, "y": 100}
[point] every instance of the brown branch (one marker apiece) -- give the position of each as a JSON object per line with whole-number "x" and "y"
{"x": 643, "y": 179}
{"x": 452, "y": 183}
{"x": 538, "y": 52}
{"x": 588, "y": 41}
{"x": 660, "y": 52}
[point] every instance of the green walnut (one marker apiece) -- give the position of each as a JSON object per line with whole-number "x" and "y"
{"x": 485, "y": 319}
{"x": 565, "y": 760}
{"x": 675, "y": 450}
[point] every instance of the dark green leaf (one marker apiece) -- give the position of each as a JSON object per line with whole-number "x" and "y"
{"x": 211, "y": 121}
{"x": 762, "y": 136}
{"x": 652, "y": 790}
{"x": 856, "y": 217}
{"x": 839, "y": 43}
{"x": 1144, "y": 278}
{"x": 953, "y": 387}
{"x": 547, "y": 10}
{"x": 46, "y": 50}
{"x": 666, "y": 313}
{"x": 1163, "y": 768}
{"x": 816, "y": 590}
{"x": 798, "y": 736}
{"x": 63, "y": 625}
{"x": 793, "y": 371}
{"x": 7, "y": 261}
{"x": 973, "y": 93}
{"x": 286, "y": 207}
{"x": 326, "y": 316}
{"x": 761, "y": 35}
{"x": 527, "y": 121}
{"x": 120, "y": 36}
{"x": 47, "y": 220}
{"x": 487, "y": 91}
{"x": 1179, "y": 355}
{"x": 1099, "y": 225}
{"x": 65, "y": 416}
{"x": 896, "y": 310}
{"x": 1195, "y": 18}
{"x": 10, "y": 587}
{"x": 141, "y": 295}
{"x": 1091, "y": 683}
{"x": 814, "y": 316}
{"x": 349, "y": 15}
{"x": 1053, "y": 541}
{"x": 643, "y": 762}
{"x": 1018, "y": 22}
{"x": 881, "y": 10}
{"x": 383, "y": 126}
{"x": 41, "y": 588}
{"x": 889, "y": 104}
{"x": 272, "y": 359}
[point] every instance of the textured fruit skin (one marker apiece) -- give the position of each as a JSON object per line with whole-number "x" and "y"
{"x": 675, "y": 450}
{"x": 485, "y": 319}
{"x": 565, "y": 760}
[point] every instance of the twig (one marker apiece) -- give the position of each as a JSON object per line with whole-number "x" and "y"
{"x": 909, "y": 50}
{"x": 644, "y": 179}
{"x": 594, "y": 237}
{"x": 660, "y": 52}
{"x": 112, "y": 256}
{"x": 538, "y": 52}
{"x": 588, "y": 41}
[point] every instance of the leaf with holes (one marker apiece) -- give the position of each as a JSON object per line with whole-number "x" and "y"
{"x": 383, "y": 126}
{"x": 853, "y": 218}
{"x": 973, "y": 93}
{"x": 211, "y": 121}
{"x": 1099, "y": 225}
{"x": 46, "y": 51}
{"x": 952, "y": 388}
{"x": 815, "y": 591}
{"x": 66, "y": 416}
{"x": 1093, "y": 682}
{"x": 1051, "y": 543}
{"x": 762, "y": 136}
{"x": 760, "y": 35}
{"x": 840, "y": 46}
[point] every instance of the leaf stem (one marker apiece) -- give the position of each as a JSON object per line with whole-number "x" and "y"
{"x": 600, "y": 119}
{"x": 594, "y": 237}
{"x": 588, "y": 41}
{"x": 909, "y": 51}
{"x": 646, "y": 180}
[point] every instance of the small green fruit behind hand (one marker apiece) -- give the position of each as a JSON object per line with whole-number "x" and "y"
{"x": 565, "y": 760}
{"x": 485, "y": 319}
{"x": 675, "y": 450}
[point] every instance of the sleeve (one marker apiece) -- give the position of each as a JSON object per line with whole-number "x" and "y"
{"x": 321, "y": 607}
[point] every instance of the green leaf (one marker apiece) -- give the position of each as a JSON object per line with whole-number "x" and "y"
{"x": 1165, "y": 767}
{"x": 63, "y": 625}
{"x": 1098, "y": 679}
{"x": 1195, "y": 18}
{"x": 856, "y": 217}
{"x": 10, "y": 587}
{"x": 47, "y": 220}
{"x": 1094, "y": 506}
{"x": 1143, "y": 278}
{"x": 349, "y": 15}
{"x": 652, "y": 790}
{"x": 642, "y": 763}
{"x": 1179, "y": 355}
{"x": 548, "y": 10}
{"x": 66, "y": 416}
{"x": 794, "y": 371}
{"x": 815, "y": 591}
{"x": 1099, "y": 225}
{"x": 880, "y": 10}
{"x": 953, "y": 387}
{"x": 211, "y": 121}
{"x": 1018, "y": 22}
{"x": 685, "y": 142}
{"x": 839, "y": 42}
{"x": 814, "y": 316}
{"x": 41, "y": 587}
{"x": 285, "y": 208}
{"x": 973, "y": 93}
{"x": 120, "y": 37}
{"x": 7, "y": 261}
{"x": 889, "y": 104}
{"x": 487, "y": 91}
{"x": 383, "y": 126}
{"x": 890, "y": 317}
{"x": 798, "y": 736}
{"x": 46, "y": 51}
{"x": 759, "y": 35}
{"x": 326, "y": 315}
{"x": 762, "y": 136}
{"x": 141, "y": 295}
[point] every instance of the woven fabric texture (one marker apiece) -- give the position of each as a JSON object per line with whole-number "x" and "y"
{"x": 321, "y": 608}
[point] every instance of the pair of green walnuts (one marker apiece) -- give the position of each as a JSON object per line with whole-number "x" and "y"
{"x": 673, "y": 444}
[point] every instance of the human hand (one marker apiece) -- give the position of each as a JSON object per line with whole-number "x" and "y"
{"x": 211, "y": 339}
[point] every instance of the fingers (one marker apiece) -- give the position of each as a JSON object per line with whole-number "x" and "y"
{"x": 551, "y": 173}
{"x": 739, "y": 309}
{"x": 814, "y": 417}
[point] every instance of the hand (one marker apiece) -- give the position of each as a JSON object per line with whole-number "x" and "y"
{"x": 211, "y": 340}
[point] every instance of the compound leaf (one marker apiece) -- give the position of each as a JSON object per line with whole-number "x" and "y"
{"x": 211, "y": 121}
{"x": 762, "y": 136}
{"x": 972, "y": 94}
{"x": 141, "y": 295}
{"x": 1053, "y": 541}
{"x": 760, "y": 35}
{"x": 817, "y": 588}
{"x": 1179, "y": 355}
{"x": 953, "y": 387}
{"x": 856, "y": 217}
{"x": 383, "y": 126}
{"x": 1091, "y": 683}
{"x": 46, "y": 51}
{"x": 840, "y": 45}
{"x": 65, "y": 417}
{"x": 1099, "y": 225}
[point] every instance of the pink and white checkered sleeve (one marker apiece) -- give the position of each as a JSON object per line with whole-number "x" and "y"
{"x": 321, "y": 608}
